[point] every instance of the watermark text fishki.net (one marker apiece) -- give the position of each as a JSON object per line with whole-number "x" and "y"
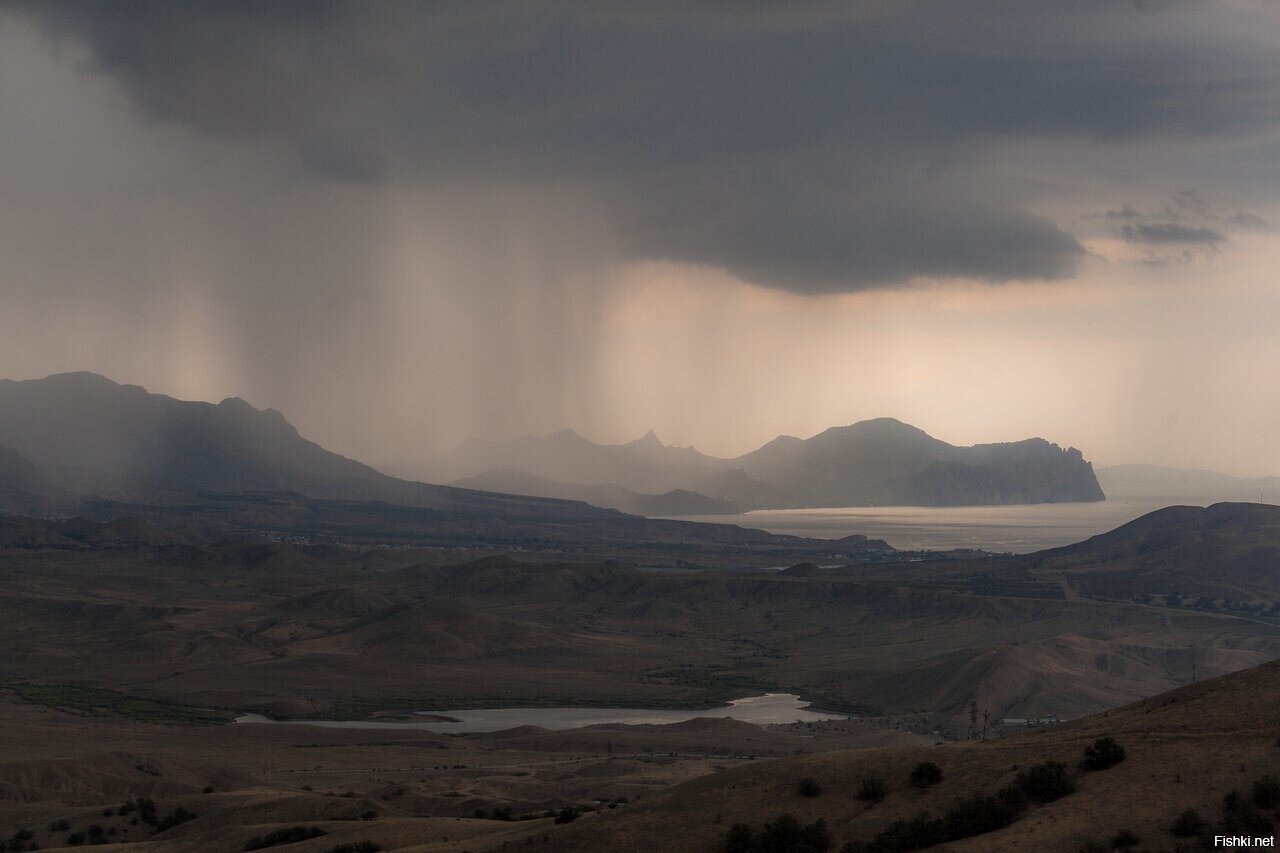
{"x": 1244, "y": 841}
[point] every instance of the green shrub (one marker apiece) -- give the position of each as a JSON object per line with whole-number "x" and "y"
{"x": 1239, "y": 817}
{"x": 1124, "y": 839}
{"x": 903, "y": 835}
{"x": 808, "y": 788}
{"x": 926, "y": 774}
{"x": 784, "y": 834}
{"x": 567, "y": 815}
{"x": 1014, "y": 796}
{"x": 288, "y": 835}
{"x": 1189, "y": 824}
{"x": 146, "y": 810}
{"x": 977, "y": 815}
{"x": 1046, "y": 782}
{"x": 1266, "y": 792}
{"x": 739, "y": 839}
{"x": 970, "y": 816}
{"x": 873, "y": 790}
{"x": 1104, "y": 753}
{"x": 179, "y": 816}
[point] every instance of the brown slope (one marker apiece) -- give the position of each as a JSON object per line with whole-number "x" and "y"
{"x": 1225, "y": 550}
{"x": 1186, "y": 749}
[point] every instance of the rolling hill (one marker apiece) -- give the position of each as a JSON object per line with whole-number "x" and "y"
{"x": 295, "y": 628}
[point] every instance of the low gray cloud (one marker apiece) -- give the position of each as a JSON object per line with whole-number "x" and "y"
{"x": 812, "y": 147}
{"x": 338, "y": 160}
{"x": 1179, "y": 231}
{"x": 1245, "y": 220}
{"x": 1171, "y": 232}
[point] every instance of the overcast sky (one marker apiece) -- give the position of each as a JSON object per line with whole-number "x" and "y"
{"x": 407, "y": 224}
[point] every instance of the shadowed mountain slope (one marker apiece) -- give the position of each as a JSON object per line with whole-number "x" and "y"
{"x": 886, "y": 462}
{"x": 23, "y": 488}
{"x": 675, "y": 502}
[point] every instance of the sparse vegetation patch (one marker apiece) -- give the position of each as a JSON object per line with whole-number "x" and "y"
{"x": 783, "y": 834}
{"x": 926, "y": 774}
{"x": 288, "y": 835}
{"x": 96, "y": 702}
{"x": 873, "y": 790}
{"x": 1104, "y": 753}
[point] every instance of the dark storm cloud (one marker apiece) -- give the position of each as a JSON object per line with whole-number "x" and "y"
{"x": 796, "y": 145}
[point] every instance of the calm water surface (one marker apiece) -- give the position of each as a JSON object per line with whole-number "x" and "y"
{"x": 1016, "y": 529}
{"x": 761, "y": 710}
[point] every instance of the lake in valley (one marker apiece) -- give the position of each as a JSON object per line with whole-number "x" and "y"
{"x": 762, "y": 710}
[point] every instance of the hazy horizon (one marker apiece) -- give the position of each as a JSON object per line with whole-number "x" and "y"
{"x": 406, "y": 226}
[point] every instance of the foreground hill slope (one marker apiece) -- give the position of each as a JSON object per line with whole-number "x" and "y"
{"x": 1184, "y": 749}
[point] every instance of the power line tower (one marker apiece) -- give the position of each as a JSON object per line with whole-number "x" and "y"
{"x": 973, "y": 720}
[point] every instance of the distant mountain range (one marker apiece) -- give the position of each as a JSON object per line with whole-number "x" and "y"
{"x": 876, "y": 462}
{"x": 79, "y": 434}
{"x": 81, "y": 445}
{"x": 1197, "y": 486}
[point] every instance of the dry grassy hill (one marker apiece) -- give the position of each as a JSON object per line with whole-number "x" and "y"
{"x": 1187, "y": 749}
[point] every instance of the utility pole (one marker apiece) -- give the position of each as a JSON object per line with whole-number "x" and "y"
{"x": 986, "y": 717}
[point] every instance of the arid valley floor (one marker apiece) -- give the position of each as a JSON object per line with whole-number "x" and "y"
{"x": 159, "y": 638}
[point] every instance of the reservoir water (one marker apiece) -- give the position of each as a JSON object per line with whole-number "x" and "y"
{"x": 762, "y": 710}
